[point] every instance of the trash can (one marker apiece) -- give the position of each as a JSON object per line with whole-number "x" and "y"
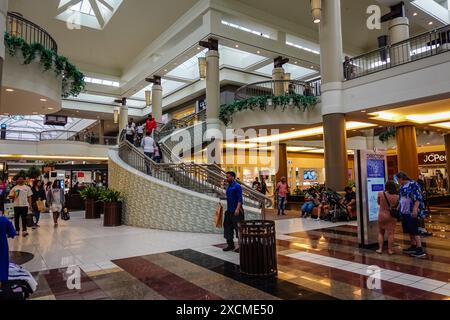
{"x": 258, "y": 248}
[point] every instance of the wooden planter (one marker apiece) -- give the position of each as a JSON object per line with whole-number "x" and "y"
{"x": 100, "y": 207}
{"x": 91, "y": 209}
{"x": 113, "y": 214}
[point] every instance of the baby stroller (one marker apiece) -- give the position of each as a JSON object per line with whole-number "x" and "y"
{"x": 20, "y": 285}
{"x": 338, "y": 212}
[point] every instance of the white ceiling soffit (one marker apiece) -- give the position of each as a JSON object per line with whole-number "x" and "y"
{"x": 93, "y": 14}
{"x": 434, "y": 9}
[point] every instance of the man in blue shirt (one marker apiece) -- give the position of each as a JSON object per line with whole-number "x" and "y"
{"x": 6, "y": 230}
{"x": 235, "y": 212}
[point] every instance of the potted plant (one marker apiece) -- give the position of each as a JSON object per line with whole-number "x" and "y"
{"x": 112, "y": 208}
{"x": 90, "y": 195}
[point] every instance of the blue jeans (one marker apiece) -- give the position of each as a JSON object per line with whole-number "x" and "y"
{"x": 150, "y": 155}
{"x": 308, "y": 208}
{"x": 37, "y": 216}
{"x": 281, "y": 203}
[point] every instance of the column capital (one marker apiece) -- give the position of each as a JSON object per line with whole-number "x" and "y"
{"x": 212, "y": 44}
{"x": 156, "y": 80}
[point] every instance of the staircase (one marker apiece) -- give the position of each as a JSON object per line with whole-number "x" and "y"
{"x": 202, "y": 178}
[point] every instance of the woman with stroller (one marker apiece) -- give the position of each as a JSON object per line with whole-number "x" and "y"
{"x": 55, "y": 198}
{"x": 386, "y": 223}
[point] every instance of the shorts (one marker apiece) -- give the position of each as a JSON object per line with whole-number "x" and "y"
{"x": 56, "y": 208}
{"x": 410, "y": 225}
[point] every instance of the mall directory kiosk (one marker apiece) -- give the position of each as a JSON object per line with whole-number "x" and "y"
{"x": 371, "y": 177}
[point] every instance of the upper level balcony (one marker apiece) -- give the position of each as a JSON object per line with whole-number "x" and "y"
{"x": 35, "y": 77}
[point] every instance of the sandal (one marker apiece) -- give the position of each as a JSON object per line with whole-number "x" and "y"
{"x": 379, "y": 251}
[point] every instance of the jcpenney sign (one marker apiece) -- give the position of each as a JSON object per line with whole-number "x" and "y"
{"x": 432, "y": 158}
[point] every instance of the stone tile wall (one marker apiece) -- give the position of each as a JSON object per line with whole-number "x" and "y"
{"x": 150, "y": 203}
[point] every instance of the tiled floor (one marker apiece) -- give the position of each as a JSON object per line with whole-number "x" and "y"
{"x": 316, "y": 261}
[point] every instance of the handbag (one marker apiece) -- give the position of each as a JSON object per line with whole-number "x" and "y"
{"x": 30, "y": 220}
{"x": 218, "y": 218}
{"x": 65, "y": 215}
{"x": 392, "y": 210}
{"x": 40, "y": 206}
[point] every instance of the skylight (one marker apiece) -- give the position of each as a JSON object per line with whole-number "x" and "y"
{"x": 296, "y": 72}
{"x": 236, "y": 26}
{"x": 169, "y": 86}
{"x": 88, "y": 13}
{"x": 302, "y": 44}
{"x": 102, "y": 82}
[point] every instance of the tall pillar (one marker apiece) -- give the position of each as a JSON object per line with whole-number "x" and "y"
{"x": 336, "y": 158}
{"x": 334, "y": 123}
{"x": 213, "y": 124}
{"x": 123, "y": 117}
{"x": 282, "y": 163}
{"x": 399, "y": 31}
{"x": 157, "y": 95}
{"x": 407, "y": 157}
{"x": 101, "y": 131}
{"x": 3, "y": 19}
{"x": 447, "y": 152}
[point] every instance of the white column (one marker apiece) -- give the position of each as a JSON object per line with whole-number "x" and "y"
{"x": 157, "y": 94}
{"x": 335, "y": 135}
{"x": 278, "y": 88}
{"x": 123, "y": 118}
{"x": 399, "y": 31}
{"x": 214, "y": 126}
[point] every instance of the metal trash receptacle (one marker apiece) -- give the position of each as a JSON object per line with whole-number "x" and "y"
{"x": 258, "y": 248}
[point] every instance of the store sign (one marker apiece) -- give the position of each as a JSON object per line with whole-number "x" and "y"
{"x": 432, "y": 158}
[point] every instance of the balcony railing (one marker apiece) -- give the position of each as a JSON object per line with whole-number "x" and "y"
{"x": 58, "y": 135}
{"x": 422, "y": 46}
{"x": 278, "y": 88}
{"x": 18, "y": 26}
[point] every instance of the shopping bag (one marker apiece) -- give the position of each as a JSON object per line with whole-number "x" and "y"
{"x": 40, "y": 206}
{"x": 218, "y": 219}
{"x": 9, "y": 210}
{"x": 30, "y": 220}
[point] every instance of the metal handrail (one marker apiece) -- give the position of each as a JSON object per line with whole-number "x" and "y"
{"x": 55, "y": 135}
{"x": 208, "y": 179}
{"x": 418, "y": 47}
{"x": 275, "y": 88}
{"x": 29, "y": 31}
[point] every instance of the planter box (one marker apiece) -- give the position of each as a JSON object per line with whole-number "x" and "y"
{"x": 113, "y": 214}
{"x": 91, "y": 209}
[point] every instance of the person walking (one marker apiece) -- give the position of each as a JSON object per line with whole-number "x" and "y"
{"x": 150, "y": 125}
{"x": 21, "y": 195}
{"x": 149, "y": 148}
{"x": 157, "y": 156}
{"x": 282, "y": 190}
{"x": 38, "y": 195}
{"x": 6, "y": 230}
{"x": 130, "y": 131}
{"x": 411, "y": 208}
{"x": 263, "y": 185}
{"x": 55, "y": 198}
{"x": 234, "y": 213}
{"x": 386, "y": 223}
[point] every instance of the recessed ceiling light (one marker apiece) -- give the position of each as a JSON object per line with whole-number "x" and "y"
{"x": 363, "y": 111}
{"x": 51, "y": 108}
{"x": 430, "y": 23}
{"x": 312, "y": 67}
{"x": 43, "y": 100}
{"x": 165, "y": 70}
{"x": 258, "y": 52}
{"x": 292, "y": 128}
{"x": 237, "y": 46}
{"x": 415, "y": 14}
{"x": 296, "y": 62}
{"x": 10, "y": 90}
{"x": 35, "y": 113}
{"x": 198, "y": 48}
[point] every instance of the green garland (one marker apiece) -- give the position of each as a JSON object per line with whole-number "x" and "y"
{"x": 388, "y": 134}
{"x": 72, "y": 79}
{"x": 301, "y": 102}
